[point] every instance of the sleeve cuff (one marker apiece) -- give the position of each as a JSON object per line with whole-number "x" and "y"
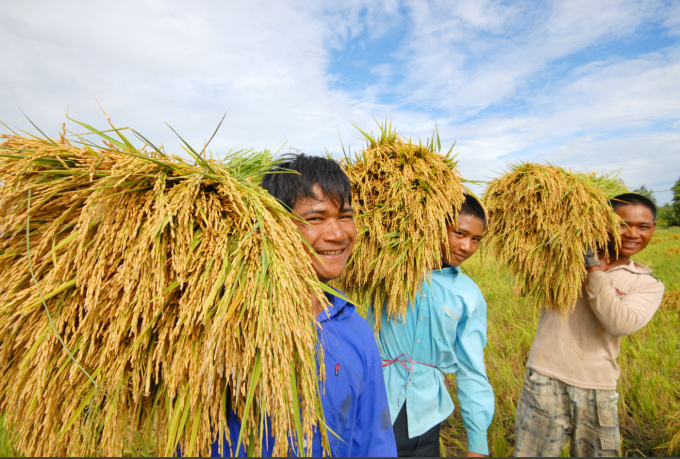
{"x": 477, "y": 443}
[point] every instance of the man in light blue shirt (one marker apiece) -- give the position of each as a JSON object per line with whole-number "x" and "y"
{"x": 444, "y": 332}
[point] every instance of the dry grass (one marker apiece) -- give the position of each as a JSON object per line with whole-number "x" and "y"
{"x": 139, "y": 292}
{"x": 671, "y": 300}
{"x": 540, "y": 220}
{"x": 403, "y": 193}
{"x": 675, "y": 237}
{"x": 656, "y": 241}
{"x": 672, "y": 251}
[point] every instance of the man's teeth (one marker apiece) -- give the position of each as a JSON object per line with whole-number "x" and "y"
{"x": 630, "y": 244}
{"x": 330, "y": 253}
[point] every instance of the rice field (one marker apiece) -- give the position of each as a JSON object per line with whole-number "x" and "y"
{"x": 650, "y": 360}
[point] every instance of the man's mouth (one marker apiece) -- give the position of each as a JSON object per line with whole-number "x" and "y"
{"x": 630, "y": 245}
{"x": 460, "y": 257}
{"x": 330, "y": 252}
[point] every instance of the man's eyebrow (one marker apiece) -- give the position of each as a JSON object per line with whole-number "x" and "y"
{"x": 638, "y": 223}
{"x": 347, "y": 209}
{"x": 313, "y": 212}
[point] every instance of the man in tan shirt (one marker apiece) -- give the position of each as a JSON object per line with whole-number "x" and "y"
{"x": 570, "y": 386}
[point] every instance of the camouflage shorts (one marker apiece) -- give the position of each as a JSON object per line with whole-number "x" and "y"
{"x": 550, "y": 412}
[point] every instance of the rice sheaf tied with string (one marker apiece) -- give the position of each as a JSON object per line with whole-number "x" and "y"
{"x": 403, "y": 194}
{"x": 167, "y": 289}
{"x": 541, "y": 219}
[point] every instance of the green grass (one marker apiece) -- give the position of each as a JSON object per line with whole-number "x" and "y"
{"x": 6, "y": 449}
{"x": 649, "y": 360}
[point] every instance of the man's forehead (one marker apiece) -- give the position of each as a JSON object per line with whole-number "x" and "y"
{"x": 470, "y": 223}
{"x": 321, "y": 205}
{"x": 635, "y": 213}
{"x": 321, "y": 201}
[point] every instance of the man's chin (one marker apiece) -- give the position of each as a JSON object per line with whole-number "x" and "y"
{"x": 629, "y": 251}
{"x": 328, "y": 276}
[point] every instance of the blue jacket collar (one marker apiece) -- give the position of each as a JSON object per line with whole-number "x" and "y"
{"x": 338, "y": 309}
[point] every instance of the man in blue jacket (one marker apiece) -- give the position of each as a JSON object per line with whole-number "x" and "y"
{"x": 444, "y": 331}
{"x": 354, "y": 398}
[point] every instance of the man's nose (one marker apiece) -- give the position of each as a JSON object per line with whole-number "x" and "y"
{"x": 465, "y": 245}
{"x": 632, "y": 232}
{"x": 334, "y": 231}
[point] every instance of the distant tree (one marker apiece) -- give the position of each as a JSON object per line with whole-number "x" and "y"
{"x": 674, "y": 217}
{"x": 664, "y": 215}
{"x": 649, "y": 194}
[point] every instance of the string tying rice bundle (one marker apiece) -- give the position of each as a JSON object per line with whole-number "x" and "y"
{"x": 540, "y": 220}
{"x": 402, "y": 193}
{"x": 175, "y": 288}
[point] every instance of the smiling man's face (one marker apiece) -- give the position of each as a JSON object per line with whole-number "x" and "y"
{"x": 638, "y": 229}
{"x": 464, "y": 239}
{"x": 330, "y": 230}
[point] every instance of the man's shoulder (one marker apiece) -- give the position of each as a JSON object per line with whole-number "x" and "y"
{"x": 468, "y": 282}
{"x": 462, "y": 284}
{"x": 348, "y": 314}
{"x": 637, "y": 273}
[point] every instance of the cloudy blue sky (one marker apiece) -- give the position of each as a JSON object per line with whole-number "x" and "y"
{"x": 590, "y": 85}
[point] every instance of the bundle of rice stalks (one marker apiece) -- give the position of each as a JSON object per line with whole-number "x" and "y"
{"x": 403, "y": 194}
{"x": 141, "y": 293}
{"x": 540, "y": 220}
{"x": 671, "y": 300}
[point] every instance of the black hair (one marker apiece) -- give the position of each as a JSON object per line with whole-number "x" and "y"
{"x": 289, "y": 187}
{"x": 471, "y": 206}
{"x": 634, "y": 199}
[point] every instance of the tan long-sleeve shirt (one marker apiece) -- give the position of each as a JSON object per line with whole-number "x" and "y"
{"x": 582, "y": 348}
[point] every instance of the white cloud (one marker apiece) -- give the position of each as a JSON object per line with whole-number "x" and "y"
{"x": 477, "y": 54}
{"x": 150, "y": 62}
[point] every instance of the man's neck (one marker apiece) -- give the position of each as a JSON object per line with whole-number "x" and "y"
{"x": 317, "y": 306}
{"x": 446, "y": 264}
{"x": 612, "y": 260}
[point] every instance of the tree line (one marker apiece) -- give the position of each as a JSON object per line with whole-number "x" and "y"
{"x": 669, "y": 213}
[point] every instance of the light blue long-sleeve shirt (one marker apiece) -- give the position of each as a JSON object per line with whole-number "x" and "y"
{"x": 445, "y": 328}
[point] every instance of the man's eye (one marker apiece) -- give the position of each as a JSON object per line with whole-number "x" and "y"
{"x": 347, "y": 217}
